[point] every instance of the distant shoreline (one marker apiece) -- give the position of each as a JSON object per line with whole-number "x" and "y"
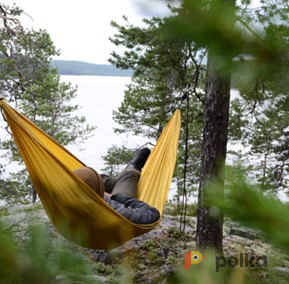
{"x": 79, "y": 68}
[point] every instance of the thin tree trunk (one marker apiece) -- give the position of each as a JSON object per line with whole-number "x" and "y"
{"x": 215, "y": 136}
{"x": 34, "y": 195}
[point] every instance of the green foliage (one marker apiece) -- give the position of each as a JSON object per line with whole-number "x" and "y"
{"x": 17, "y": 189}
{"x": 263, "y": 100}
{"x": 29, "y": 83}
{"x": 168, "y": 58}
{"x": 174, "y": 209}
{"x": 163, "y": 69}
{"x": 246, "y": 203}
{"x": 263, "y": 133}
{"x": 37, "y": 260}
{"x": 116, "y": 158}
{"x": 201, "y": 22}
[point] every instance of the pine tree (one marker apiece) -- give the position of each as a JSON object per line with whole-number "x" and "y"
{"x": 235, "y": 50}
{"x": 163, "y": 68}
{"x": 29, "y": 83}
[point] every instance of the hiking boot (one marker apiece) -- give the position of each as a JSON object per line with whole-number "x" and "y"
{"x": 140, "y": 158}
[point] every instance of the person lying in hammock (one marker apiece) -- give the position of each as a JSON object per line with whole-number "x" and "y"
{"x": 120, "y": 192}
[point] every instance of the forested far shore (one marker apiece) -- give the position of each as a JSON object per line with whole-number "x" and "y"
{"x": 67, "y": 67}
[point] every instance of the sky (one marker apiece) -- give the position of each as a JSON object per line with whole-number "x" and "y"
{"x": 80, "y": 29}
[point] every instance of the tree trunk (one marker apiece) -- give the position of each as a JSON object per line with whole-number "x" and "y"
{"x": 214, "y": 146}
{"x": 34, "y": 195}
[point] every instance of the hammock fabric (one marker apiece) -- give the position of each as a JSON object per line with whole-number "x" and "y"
{"x": 75, "y": 210}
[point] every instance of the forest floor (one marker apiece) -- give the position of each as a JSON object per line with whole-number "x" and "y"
{"x": 159, "y": 256}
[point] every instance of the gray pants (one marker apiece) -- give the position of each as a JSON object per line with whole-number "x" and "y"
{"x": 126, "y": 182}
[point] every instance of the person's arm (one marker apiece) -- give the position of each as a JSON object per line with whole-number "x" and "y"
{"x": 133, "y": 209}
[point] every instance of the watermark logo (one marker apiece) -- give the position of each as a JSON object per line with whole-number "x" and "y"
{"x": 244, "y": 260}
{"x": 193, "y": 257}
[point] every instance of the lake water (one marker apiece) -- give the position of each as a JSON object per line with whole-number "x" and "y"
{"x": 98, "y": 96}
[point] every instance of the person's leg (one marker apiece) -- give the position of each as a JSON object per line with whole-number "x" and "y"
{"x": 127, "y": 181}
{"x": 109, "y": 182}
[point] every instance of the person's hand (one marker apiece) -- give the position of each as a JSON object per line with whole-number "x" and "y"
{"x": 107, "y": 195}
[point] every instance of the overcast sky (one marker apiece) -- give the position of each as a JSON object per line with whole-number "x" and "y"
{"x": 80, "y": 29}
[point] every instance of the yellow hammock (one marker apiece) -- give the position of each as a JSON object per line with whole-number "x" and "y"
{"x": 75, "y": 210}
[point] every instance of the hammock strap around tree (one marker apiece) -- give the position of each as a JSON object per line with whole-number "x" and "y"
{"x": 76, "y": 211}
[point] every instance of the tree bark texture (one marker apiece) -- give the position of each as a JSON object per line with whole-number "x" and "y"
{"x": 213, "y": 155}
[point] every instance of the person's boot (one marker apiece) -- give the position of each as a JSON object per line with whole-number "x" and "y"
{"x": 140, "y": 158}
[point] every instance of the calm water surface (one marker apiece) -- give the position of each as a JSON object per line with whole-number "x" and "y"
{"x": 98, "y": 96}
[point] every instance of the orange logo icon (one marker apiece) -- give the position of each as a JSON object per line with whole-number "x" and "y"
{"x": 193, "y": 257}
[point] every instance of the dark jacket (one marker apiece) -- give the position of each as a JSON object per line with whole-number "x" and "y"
{"x": 133, "y": 209}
